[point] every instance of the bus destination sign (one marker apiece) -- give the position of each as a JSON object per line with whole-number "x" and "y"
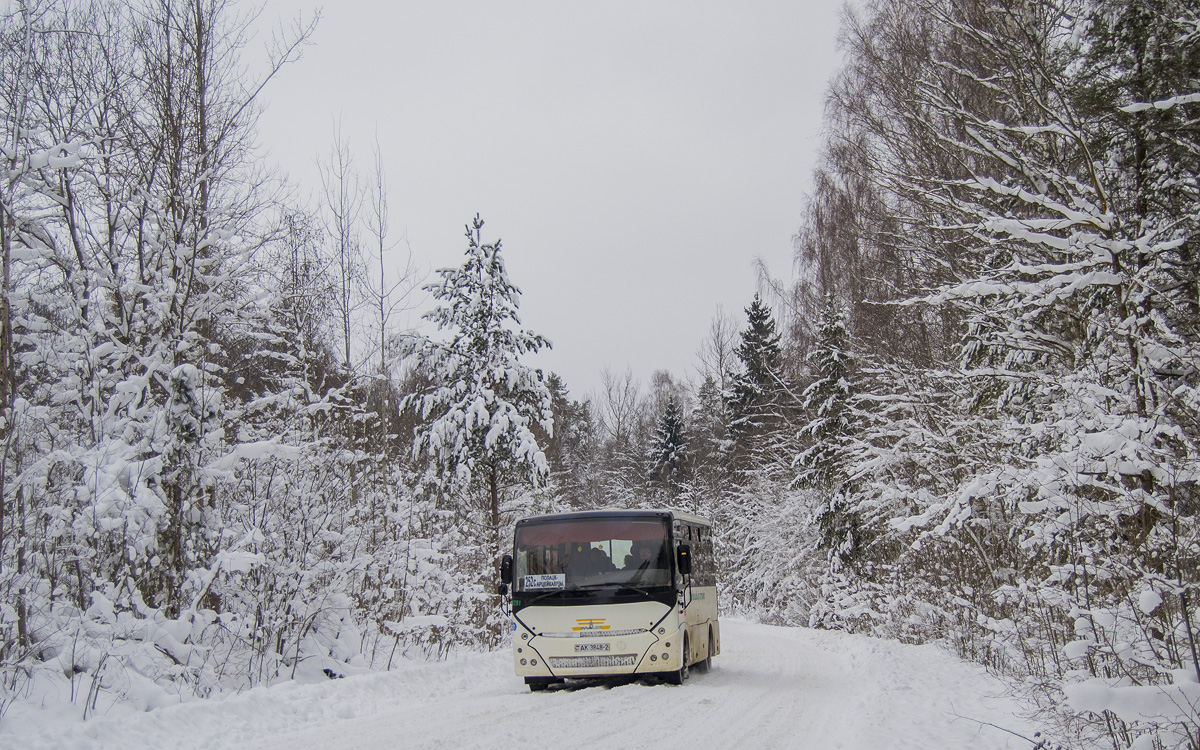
{"x": 547, "y": 581}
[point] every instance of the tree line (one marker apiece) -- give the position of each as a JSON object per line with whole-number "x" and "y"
{"x": 1007, "y": 211}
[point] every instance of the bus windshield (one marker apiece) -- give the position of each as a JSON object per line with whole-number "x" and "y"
{"x": 574, "y": 554}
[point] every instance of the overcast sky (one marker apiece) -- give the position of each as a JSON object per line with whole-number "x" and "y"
{"x": 634, "y": 157}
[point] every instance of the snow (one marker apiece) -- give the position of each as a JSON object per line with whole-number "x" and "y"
{"x": 772, "y": 687}
{"x": 1149, "y": 601}
{"x": 1130, "y": 703}
{"x": 1164, "y": 104}
{"x": 417, "y": 622}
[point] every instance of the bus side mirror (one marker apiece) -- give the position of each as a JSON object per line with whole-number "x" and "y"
{"x": 506, "y": 569}
{"x": 502, "y": 589}
{"x": 684, "y": 559}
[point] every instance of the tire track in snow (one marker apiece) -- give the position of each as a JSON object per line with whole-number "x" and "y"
{"x": 771, "y": 688}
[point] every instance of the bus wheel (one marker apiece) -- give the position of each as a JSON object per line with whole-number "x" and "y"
{"x": 537, "y": 684}
{"x": 706, "y": 664}
{"x": 677, "y": 677}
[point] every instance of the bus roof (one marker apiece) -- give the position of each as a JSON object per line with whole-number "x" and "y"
{"x": 624, "y": 512}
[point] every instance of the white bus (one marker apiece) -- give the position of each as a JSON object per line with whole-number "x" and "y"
{"x": 612, "y": 592}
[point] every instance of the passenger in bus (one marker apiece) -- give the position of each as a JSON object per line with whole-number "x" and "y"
{"x": 600, "y": 561}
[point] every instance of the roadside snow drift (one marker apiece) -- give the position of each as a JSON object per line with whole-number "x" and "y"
{"x": 771, "y": 688}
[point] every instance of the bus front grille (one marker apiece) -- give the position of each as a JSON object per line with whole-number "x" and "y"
{"x": 598, "y": 660}
{"x": 594, "y": 633}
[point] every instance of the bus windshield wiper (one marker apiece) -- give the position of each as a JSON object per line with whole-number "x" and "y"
{"x": 622, "y": 586}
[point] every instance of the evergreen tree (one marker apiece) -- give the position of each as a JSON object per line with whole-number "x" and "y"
{"x": 1141, "y": 72}
{"x": 710, "y": 429}
{"x": 758, "y": 391}
{"x": 827, "y": 399}
{"x": 568, "y": 450}
{"x": 668, "y": 454}
{"x": 479, "y": 414}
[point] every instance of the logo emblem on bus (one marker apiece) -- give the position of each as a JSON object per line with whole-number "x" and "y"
{"x": 593, "y": 624}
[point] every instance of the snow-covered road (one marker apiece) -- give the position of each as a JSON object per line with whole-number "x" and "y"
{"x": 771, "y": 688}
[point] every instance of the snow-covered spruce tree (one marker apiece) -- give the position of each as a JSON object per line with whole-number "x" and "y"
{"x": 707, "y": 485}
{"x": 826, "y": 401}
{"x": 570, "y": 451}
{"x": 758, "y": 392}
{"x": 668, "y": 452}
{"x": 710, "y": 442}
{"x": 479, "y": 412}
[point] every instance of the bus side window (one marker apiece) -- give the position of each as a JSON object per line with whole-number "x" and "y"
{"x": 704, "y": 559}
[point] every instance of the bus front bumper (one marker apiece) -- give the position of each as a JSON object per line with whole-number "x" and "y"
{"x": 572, "y": 655}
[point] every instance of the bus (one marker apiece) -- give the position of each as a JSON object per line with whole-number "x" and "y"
{"x": 612, "y": 592}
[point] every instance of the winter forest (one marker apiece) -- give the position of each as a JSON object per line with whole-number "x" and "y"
{"x": 971, "y": 416}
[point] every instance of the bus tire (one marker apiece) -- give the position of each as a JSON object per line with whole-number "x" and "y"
{"x": 680, "y": 675}
{"x": 538, "y": 684}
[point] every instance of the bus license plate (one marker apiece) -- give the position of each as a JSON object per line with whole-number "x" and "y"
{"x": 591, "y": 647}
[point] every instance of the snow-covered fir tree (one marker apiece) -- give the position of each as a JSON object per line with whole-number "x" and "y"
{"x": 758, "y": 391}
{"x": 710, "y": 430}
{"x": 483, "y": 403}
{"x": 668, "y": 451}
{"x": 826, "y": 401}
{"x": 570, "y": 450}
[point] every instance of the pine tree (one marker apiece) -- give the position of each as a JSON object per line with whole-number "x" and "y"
{"x": 757, "y": 395}
{"x": 710, "y": 429}
{"x": 668, "y": 453}
{"x": 479, "y": 414}
{"x": 1139, "y": 80}
{"x": 826, "y": 400}
{"x": 568, "y": 449}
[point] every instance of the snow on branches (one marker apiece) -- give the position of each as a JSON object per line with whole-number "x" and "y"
{"x": 483, "y": 404}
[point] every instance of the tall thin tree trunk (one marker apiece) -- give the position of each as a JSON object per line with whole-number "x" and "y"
{"x": 22, "y": 592}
